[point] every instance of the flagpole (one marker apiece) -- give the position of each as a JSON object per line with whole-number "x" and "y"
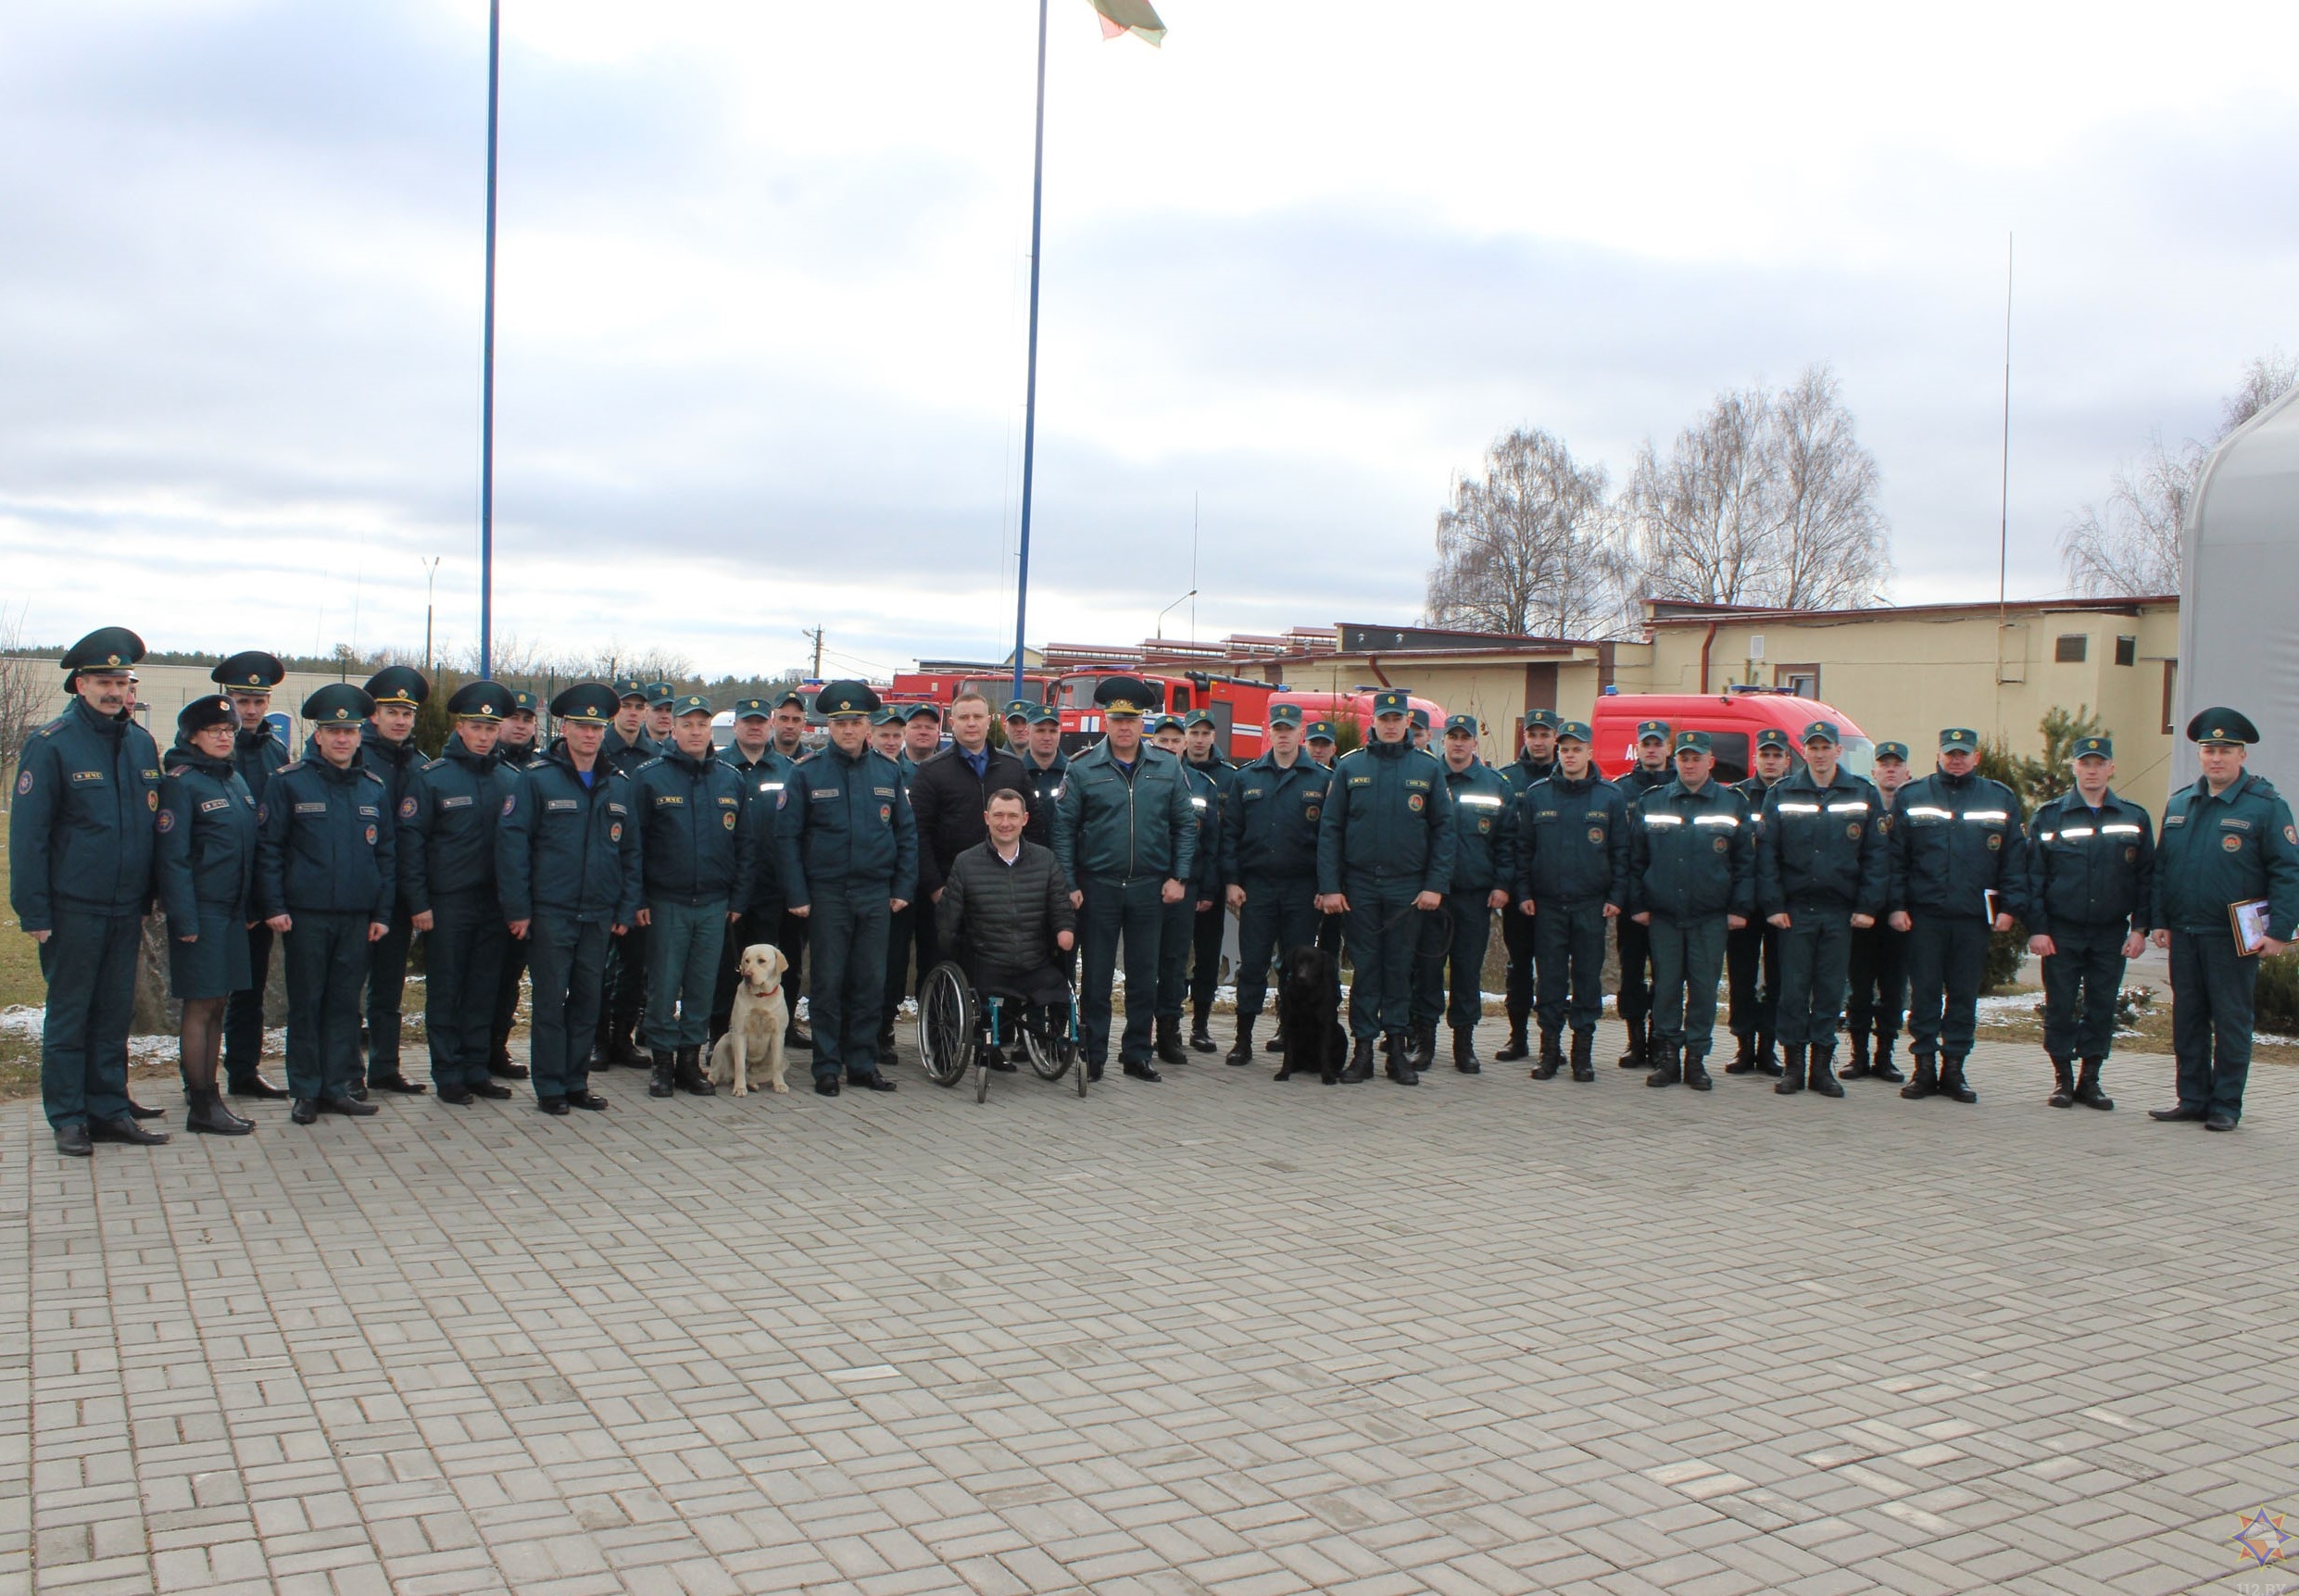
{"x": 486, "y": 401}
{"x": 1029, "y": 413}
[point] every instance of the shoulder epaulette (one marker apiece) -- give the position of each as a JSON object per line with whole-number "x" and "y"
{"x": 290, "y": 765}
{"x": 372, "y": 776}
{"x": 650, "y": 764}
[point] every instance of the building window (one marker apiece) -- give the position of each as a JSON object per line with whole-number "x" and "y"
{"x": 2171, "y": 692}
{"x": 1804, "y": 681}
{"x": 2127, "y": 650}
{"x": 2071, "y": 649}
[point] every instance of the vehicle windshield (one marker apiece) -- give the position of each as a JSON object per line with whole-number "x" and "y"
{"x": 1858, "y": 757}
{"x": 1076, "y": 693}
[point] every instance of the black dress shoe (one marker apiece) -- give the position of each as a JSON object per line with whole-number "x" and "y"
{"x": 504, "y": 1070}
{"x": 455, "y": 1097}
{"x": 874, "y": 1084}
{"x": 825, "y": 1088}
{"x": 137, "y": 1111}
{"x": 306, "y": 1112}
{"x": 399, "y": 1084}
{"x": 126, "y": 1129}
{"x": 489, "y": 1089}
{"x": 1143, "y": 1073}
{"x": 1200, "y": 1042}
{"x": 2214, "y": 1120}
{"x": 351, "y": 1107}
{"x": 586, "y": 1099}
{"x": 256, "y": 1087}
{"x": 1093, "y": 1072}
{"x": 2174, "y": 1114}
{"x": 72, "y": 1141}
{"x": 554, "y": 1104}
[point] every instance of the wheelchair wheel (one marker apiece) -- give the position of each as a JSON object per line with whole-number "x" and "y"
{"x": 947, "y": 1018}
{"x": 1049, "y": 1059}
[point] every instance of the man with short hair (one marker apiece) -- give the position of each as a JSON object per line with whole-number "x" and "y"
{"x": 948, "y": 796}
{"x": 1691, "y": 882}
{"x": 1005, "y": 908}
{"x": 1631, "y": 939}
{"x": 696, "y": 865}
{"x": 921, "y": 735}
{"x": 2090, "y": 889}
{"x": 909, "y": 931}
{"x": 1454, "y": 939}
{"x": 887, "y": 728}
{"x": 660, "y": 697}
{"x": 1879, "y": 975}
{"x": 515, "y": 749}
{"x": 763, "y": 772}
{"x": 1168, "y": 734}
{"x": 789, "y": 745}
{"x": 1269, "y": 838}
{"x": 1753, "y": 954}
{"x": 388, "y": 751}
{"x": 623, "y": 992}
{"x": 1534, "y": 760}
{"x": 248, "y": 679}
{"x": 1210, "y": 921}
{"x": 1572, "y": 877}
{"x": 1044, "y": 765}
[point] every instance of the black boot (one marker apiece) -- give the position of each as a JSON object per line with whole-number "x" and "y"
{"x": 1241, "y": 1051}
{"x": 209, "y": 1115}
{"x": 1743, "y": 1057}
{"x": 1951, "y": 1082}
{"x": 1277, "y": 1043}
{"x": 1399, "y": 1046}
{"x": 1791, "y": 1078}
{"x": 689, "y": 1078}
{"x": 1883, "y": 1069}
{"x": 1169, "y": 1041}
{"x": 1515, "y": 1049}
{"x": 1768, "y": 1061}
{"x": 1360, "y": 1062}
{"x": 1640, "y": 1055}
{"x": 1821, "y": 1075}
{"x": 1696, "y": 1072}
{"x": 1666, "y": 1070}
{"x": 1551, "y": 1056}
{"x": 2063, "y": 1084}
{"x": 1464, "y": 1057}
{"x": 797, "y": 1036}
{"x": 1421, "y": 1048}
{"x": 1584, "y": 1044}
{"x": 1925, "y": 1082}
{"x": 503, "y": 1068}
{"x": 2088, "y": 1091}
{"x": 621, "y": 1051}
{"x": 1201, "y": 1040}
{"x": 662, "y": 1087}
{"x": 1858, "y": 1069}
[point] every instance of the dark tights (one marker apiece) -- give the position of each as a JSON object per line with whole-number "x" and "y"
{"x": 201, "y": 1042}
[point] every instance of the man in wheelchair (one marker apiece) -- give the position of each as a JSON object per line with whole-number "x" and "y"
{"x": 1004, "y": 915}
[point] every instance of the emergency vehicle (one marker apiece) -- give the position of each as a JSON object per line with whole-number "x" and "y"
{"x": 1239, "y": 706}
{"x": 1732, "y": 719}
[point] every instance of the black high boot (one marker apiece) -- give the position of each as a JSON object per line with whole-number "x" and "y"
{"x": 1584, "y": 1044}
{"x": 1666, "y": 1070}
{"x": 1201, "y": 1039}
{"x": 1858, "y": 1069}
{"x": 1768, "y": 1061}
{"x": 1514, "y": 1048}
{"x": 1169, "y": 1041}
{"x": 209, "y": 1115}
{"x": 690, "y": 1077}
{"x": 1791, "y": 1079}
{"x": 1696, "y": 1072}
{"x": 1421, "y": 1048}
{"x": 1360, "y": 1062}
{"x": 1951, "y": 1082}
{"x": 660, "y": 1085}
{"x": 1399, "y": 1046}
{"x": 1551, "y": 1056}
{"x": 1821, "y": 1074}
{"x": 2088, "y": 1091}
{"x": 1464, "y": 1057}
{"x": 1743, "y": 1057}
{"x": 1925, "y": 1082}
{"x": 2063, "y": 1084}
{"x": 1277, "y": 1043}
{"x": 1883, "y": 1069}
{"x": 1641, "y": 1052}
{"x": 1241, "y": 1051}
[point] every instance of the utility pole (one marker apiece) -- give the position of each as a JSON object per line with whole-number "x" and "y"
{"x": 2003, "y": 490}
{"x": 486, "y": 400}
{"x": 431, "y": 665}
{"x": 817, "y": 635}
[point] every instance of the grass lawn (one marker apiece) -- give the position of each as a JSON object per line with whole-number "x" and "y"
{"x": 19, "y": 983}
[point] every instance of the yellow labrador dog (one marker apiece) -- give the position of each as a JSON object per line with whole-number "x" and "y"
{"x": 754, "y": 1030}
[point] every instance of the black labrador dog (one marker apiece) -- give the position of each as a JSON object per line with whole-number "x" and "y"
{"x": 1309, "y": 1012}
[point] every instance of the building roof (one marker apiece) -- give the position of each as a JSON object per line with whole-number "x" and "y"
{"x": 1685, "y": 612}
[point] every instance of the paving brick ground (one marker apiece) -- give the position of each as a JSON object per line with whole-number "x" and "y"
{"x": 1220, "y": 1335}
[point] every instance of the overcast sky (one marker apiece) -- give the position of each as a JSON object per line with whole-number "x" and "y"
{"x": 762, "y": 291}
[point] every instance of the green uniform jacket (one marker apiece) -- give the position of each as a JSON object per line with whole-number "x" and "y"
{"x": 1954, "y": 840}
{"x": 330, "y": 843}
{"x": 1389, "y": 816}
{"x": 1270, "y": 826}
{"x": 692, "y": 846}
{"x": 1484, "y": 842}
{"x": 1206, "y": 798}
{"x": 87, "y": 788}
{"x": 1120, "y": 828}
{"x": 845, "y": 825}
{"x": 2091, "y": 870}
{"x": 446, "y": 826}
{"x": 2218, "y": 851}
{"x": 1572, "y": 842}
{"x": 764, "y": 780}
{"x": 1692, "y": 854}
{"x": 1822, "y": 849}
{"x": 205, "y": 850}
{"x": 562, "y": 848}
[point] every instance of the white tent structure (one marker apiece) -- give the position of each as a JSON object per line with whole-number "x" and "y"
{"x": 2239, "y": 586}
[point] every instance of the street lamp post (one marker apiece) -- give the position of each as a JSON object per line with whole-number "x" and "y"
{"x": 1171, "y": 607}
{"x": 486, "y": 400}
{"x": 431, "y": 582}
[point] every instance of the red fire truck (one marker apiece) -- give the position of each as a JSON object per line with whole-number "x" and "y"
{"x": 1238, "y": 705}
{"x": 942, "y": 687}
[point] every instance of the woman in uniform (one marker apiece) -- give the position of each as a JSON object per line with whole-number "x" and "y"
{"x": 205, "y": 855}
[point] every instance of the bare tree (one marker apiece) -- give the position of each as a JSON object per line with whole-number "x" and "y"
{"x": 23, "y": 693}
{"x": 1829, "y": 545}
{"x": 2129, "y": 545}
{"x": 1523, "y": 548}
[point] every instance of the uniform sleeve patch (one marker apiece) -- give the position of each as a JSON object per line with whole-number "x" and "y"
{"x": 167, "y": 821}
{"x": 23, "y": 783}
{"x": 511, "y": 803}
{"x": 406, "y": 807}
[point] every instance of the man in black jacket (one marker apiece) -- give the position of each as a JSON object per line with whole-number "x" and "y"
{"x": 1004, "y": 908}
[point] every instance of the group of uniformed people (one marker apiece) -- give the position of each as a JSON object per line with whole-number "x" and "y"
{"x": 623, "y": 868}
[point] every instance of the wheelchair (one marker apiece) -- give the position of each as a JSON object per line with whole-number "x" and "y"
{"x": 958, "y": 1028}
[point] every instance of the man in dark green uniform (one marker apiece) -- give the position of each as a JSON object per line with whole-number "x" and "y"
{"x": 1270, "y": 835}
{"x": 1176, "y": 935}
{"x": 912, "y": 948}
{"x": 515, "y": 750}
{"x": 1572, "y": 877}
{"x": 1536, "y": 759}
{"x": 1820, "y": 874}
{"x": 849, "y": 862}
{"x": 751, "y": 756}
{"x": 1959, "y": 871}
{"x": 388, "y": 751}
{"x": 697, "y": 863}
{"x": 1385, "y": 857}
{"x": 1753, "y": 954}
{"x": 1629, "y": 935}
{"x": 446, "y": 881}
{"x": 2091, "y": 891}
{"x": 660, "y": 695}
{"x": 1045, "y": 764}
{"x": 789, "y": 744}
{"x": 80, "y": 864}
{"x": 326, "y": 879}
{"x": 247, "y": 679}
{"x": 1210, "y": 924}
{"x": 567, "y": 865}
{"x": 1879, "y": 974}
{"x": 1691, "y": 882}
{"x": 623, "y": 992}
{"x": 1319, "y": 742}
{"x": 1126, "y": 836}
{"x": 1451, "y": 961}
{"x": 2226, "y": 840}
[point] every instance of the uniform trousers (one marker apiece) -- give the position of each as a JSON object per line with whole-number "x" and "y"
{"x": 243, "y": 1014}
{"x": 1119, "y": 912}
{"x": 1520, "y": 935}
{"x": 1384, "y": 932}
{"x": 686, "y": 945}
{"x": 89, "y": 961}
{"x": 1568, "y": 944}
{"x": 1947, "y": 959}
{"x": 2079, "y": 984}
{"x": 1280, "y": 915}
{"x": 566, "y": 965}
{"x": 386, "y": 989}
{"x": 1753, "y": 976}
{"x": 512, "y": 966}
{"x": 1209, "y": 926}
{"x": 327, "y": 960}
{"x": 462, "y": 966}
{"x": 1879, "y": 981}
{"x": 622, "y": 997}
{"x": 908, "y": 933}
{"x": 848, "y": 935}
{"x": 2213, "y": 995}
{"x": 1814, "y": 952}
{"x": 1176, "y": 935}
{"x": 1448, "y": 967}
{"x": 1635, "y": 943}
{"x": 1688, "y": 958}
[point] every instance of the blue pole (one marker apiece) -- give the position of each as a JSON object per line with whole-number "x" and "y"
{"x": 1029, "y": 414}
{"x": 486, "y": 401}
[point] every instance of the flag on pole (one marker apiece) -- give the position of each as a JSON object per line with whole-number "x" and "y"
{"x": 1136, "y": 17}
